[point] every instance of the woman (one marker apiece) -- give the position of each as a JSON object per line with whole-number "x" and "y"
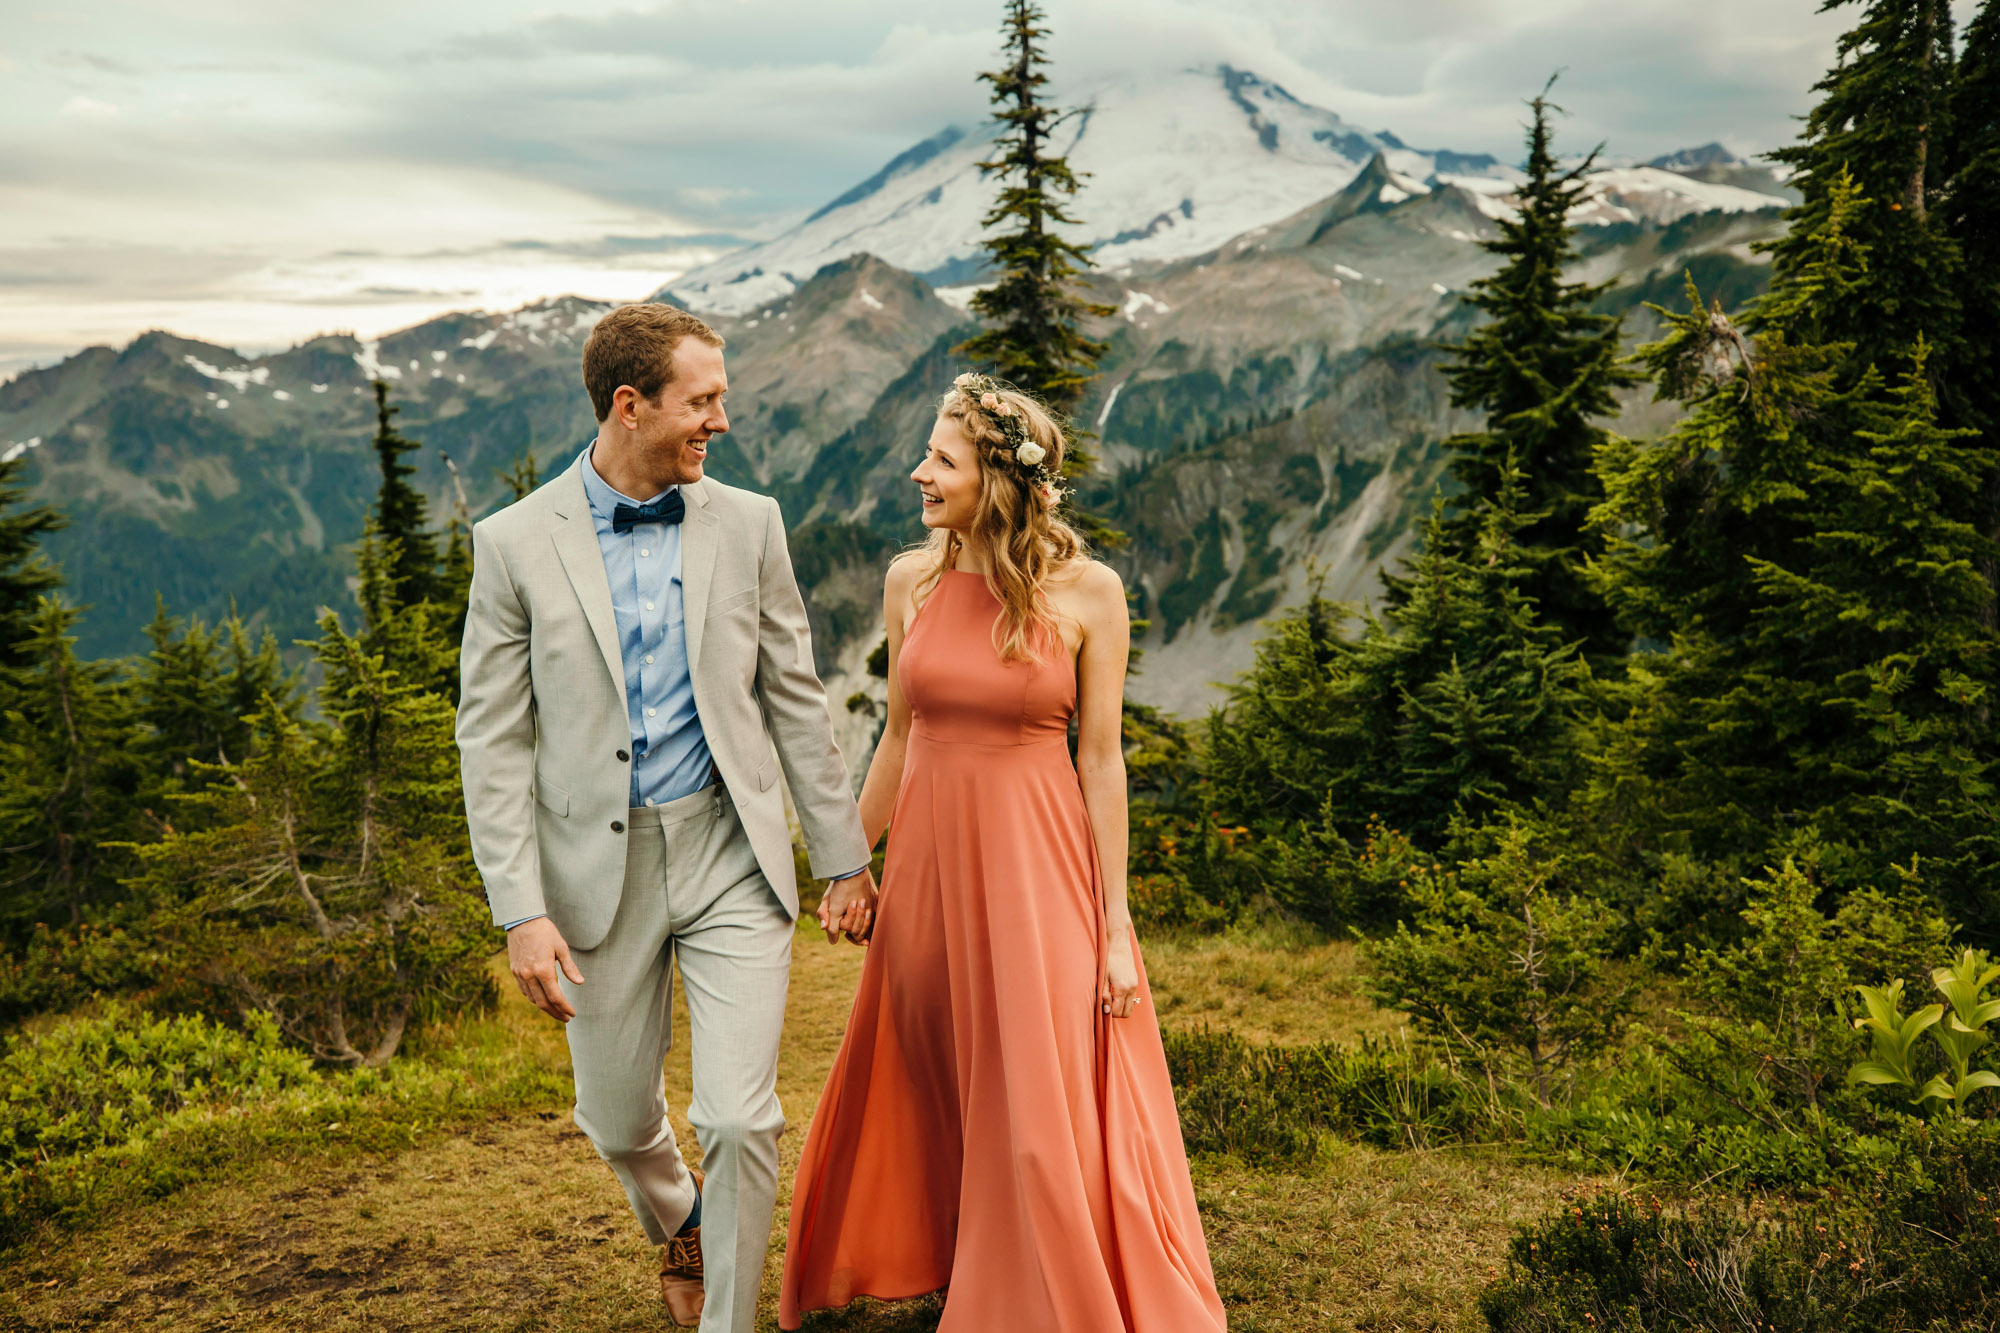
{"x": 999, "y": 1119}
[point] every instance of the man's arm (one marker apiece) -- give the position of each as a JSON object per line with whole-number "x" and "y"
{"x": 794, "y": 705}
{"x": 496, "y": 737}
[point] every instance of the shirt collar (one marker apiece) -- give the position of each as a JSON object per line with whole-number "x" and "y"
{"x": 605, "y": 498}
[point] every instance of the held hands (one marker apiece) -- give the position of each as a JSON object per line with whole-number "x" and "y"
{"x": 1118, "y": 993}
{"x": 534, "y": 950}
{"x": 849, "y": 908}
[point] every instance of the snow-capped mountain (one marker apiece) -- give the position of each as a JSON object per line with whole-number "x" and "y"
{"x": 1177, "y": 165}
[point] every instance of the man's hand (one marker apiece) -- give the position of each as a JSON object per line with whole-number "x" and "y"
{"x": 849, "y": 908}
{"x": 534, "y": 950}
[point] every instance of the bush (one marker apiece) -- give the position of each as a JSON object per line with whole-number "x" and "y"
{"x": 1924, "y": 1253}
{"x": 1273, "y": 1105}
{"x": 59, "y": 969}
{"x": 104, "y": 1111}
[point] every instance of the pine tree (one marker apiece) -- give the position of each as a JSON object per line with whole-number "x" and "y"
{"x": 1972, "y": 216}
{"x": 1799, "y": 543}
{"x": 402, "y": 518}
{"x": 1458, "y": 702}
{"x": 70, "y": 777}
{"x": 1884, "y": 118}
{"x": 523, "y": 476}
{"x": 25, "y": 576}
{"x": 1544, "y": 369}
{"x": 1034, "y": 313}
{"x": 328, "y": 881}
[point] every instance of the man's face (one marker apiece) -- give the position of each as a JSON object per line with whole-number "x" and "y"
{"x": 669, "y": 436}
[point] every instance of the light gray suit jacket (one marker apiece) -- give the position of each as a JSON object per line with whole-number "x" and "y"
{"x": 543, "y": 736}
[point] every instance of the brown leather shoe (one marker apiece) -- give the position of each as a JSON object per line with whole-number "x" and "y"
{"x": 681, "y": 1276}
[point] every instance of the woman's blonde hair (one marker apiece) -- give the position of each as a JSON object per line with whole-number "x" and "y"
{"x": 1014, "y": 519}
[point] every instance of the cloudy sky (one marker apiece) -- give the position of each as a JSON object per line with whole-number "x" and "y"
{"x": 254, "y": 173}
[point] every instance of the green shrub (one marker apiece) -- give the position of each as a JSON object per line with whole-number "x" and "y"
{"x": 1272, "y": 1105}
{"x": 99, "y": 1082}
{"x": 1923, "y": 1253}
{"x": 59, "y": 969}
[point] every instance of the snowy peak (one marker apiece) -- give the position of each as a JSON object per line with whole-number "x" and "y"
{"x": 1177, "y": 166}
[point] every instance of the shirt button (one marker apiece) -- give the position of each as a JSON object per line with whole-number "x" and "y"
{"x": 649, "y": 800}
{"x": 651, "y": 711}
{"x": 649, "y": 606}
{"x": 617, "y": 826}
{"x": 644, "y": 551}
{"x": 649, "y": 659}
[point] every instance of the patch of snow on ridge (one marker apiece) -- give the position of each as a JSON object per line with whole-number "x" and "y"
{"x": 19, "y": 447}
{"x": 868, "y": 299}
{"x": 369, "y": 358}
{"x": 1137, "y": 303}
{"x": 1346, "y": 272}
{"x": 960, "y": 298}
{"x": 239, "y": 378}
{"x": 482, "y": 342}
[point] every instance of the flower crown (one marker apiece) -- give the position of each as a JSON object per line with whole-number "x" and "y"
{"x": 1021, "y": 448}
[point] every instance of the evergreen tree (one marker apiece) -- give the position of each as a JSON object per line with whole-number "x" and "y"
{"x": 1544, "y": 369}
{"x": 523, "y": 476}
{"x": 1972, "y": 215}
{"x": 455, "y": 573}
{"x": 328, "y": 882}
{"x": 194, "y": 692}
{"x": 1884, "y": 118}
{"x": 25, "y": 577}
{"x": 1800, "y": 543}
{"x": 1033, "y": 310}
{"x": 402, "y": 518}
{"x": 70, "y": 777}
{"x": 1456, "y": 703}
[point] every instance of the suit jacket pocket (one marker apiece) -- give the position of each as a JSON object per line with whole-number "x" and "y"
{"x": 722, "y": 606}
{"x": 552, "y": 798}
{"x": 767, "y": 773}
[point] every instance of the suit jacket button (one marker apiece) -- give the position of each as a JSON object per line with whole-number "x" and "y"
{"x": 617, "y": 826}
{"x": 624, "y": 758}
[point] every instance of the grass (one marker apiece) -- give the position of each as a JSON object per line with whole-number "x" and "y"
{"x": 511, "y": 1223}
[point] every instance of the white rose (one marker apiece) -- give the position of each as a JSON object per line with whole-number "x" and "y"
{"x": 964, "y": 381}
{"x": 1031, "y": 453}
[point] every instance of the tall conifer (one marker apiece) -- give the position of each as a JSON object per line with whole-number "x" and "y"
{"x": 1884, "y": 118}
{"x": 1033, "y": 309}
{"x": 25, "y": 577}
{"x": 402, "y": 517}
{"x": 1544, "y": 368}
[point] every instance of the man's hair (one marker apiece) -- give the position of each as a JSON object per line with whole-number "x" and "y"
{"x": 634, "y": 345}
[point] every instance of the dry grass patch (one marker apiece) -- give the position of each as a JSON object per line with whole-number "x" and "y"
{"x": 518, "y": 1226}
{"x": 1267, "y": 984}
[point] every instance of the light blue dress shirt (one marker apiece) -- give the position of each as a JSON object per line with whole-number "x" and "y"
{"x": 670, "y": 757}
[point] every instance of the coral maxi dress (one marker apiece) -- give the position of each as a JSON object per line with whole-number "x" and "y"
{"x": 986, "y": 1125}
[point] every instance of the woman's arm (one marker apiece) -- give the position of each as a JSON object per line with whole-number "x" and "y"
{"x": 1100, "y": 765}
{"x": 885, "y": 769}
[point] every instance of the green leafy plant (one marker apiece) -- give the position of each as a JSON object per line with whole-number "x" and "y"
{"x": 1957, "y": 1027}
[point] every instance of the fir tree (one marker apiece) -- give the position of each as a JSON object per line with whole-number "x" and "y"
{"x": 25, "y": 576}
{"x": 1033, "y": 310}
{"x": 70, "y": 777}
{"x": 402, "y": 517}
{"x": 329, "y": 882}
{"x": 1800, "y": 544}
{"x": 1456, "y": 703}
{"x": 194, "y": 692}
{"x": 522, "y": 477}
{"x": 1972, "y": 215}
{"x": 1544, "y": 369}
{"x": 1884, "y": 119}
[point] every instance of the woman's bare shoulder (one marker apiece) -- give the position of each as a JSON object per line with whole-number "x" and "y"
{"x": 1088, "y": 578}
{"x": 907, "y": 570}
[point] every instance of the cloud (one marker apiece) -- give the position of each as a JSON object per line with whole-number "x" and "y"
{"x": 241, "y": 170}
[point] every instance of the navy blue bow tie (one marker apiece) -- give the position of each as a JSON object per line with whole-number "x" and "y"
{"x": 669, "y": 508}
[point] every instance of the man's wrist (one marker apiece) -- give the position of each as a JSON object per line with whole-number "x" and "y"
{"x": 539, "y": 916}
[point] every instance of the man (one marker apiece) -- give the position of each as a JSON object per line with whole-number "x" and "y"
{"x": 637, "y": 669}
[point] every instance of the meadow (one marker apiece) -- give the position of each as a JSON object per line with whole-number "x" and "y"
{"x": 506, "y": 1220}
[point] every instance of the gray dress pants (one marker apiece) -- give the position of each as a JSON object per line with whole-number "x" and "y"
{"x": 693, "y": 892}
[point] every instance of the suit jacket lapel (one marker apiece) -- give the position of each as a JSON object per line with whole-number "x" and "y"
{"x": 575, "y": 538}
{"x": 698, "y": 538}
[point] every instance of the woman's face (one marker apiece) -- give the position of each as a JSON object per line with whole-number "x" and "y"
{"x": 948, "y": 477}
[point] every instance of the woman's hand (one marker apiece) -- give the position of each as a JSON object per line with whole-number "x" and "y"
{"x": 1119, "y": 993}
{"x": 849, "y": 908}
